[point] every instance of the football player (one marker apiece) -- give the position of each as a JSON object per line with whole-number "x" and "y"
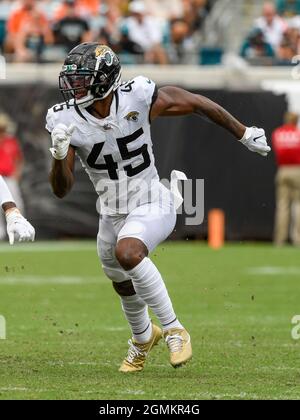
{"x": 107, "y": 124}
{"x": 18, "y": 228}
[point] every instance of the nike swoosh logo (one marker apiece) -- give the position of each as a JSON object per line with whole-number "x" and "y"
{"x": 256, "y": 138}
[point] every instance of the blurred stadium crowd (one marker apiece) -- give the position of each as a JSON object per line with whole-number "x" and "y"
{"x": 140, "y": 31}
{"x": 148, "y": 31}
{"x": 275, "y": 35}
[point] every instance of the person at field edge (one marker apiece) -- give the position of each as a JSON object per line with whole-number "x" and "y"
{"x": 107, "y": 124}
{"x": 286, "y": 144}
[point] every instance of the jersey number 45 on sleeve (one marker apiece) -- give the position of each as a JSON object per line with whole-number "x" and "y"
{"x": 111, "y": 166}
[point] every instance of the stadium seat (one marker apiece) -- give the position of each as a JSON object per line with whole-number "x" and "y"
{"x": 209, "y": 56}
{"x": 2, "y": 31}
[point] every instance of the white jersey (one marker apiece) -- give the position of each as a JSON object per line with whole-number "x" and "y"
{"x": 116, "y": 151}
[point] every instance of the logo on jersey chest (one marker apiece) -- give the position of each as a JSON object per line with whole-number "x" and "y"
{"x": 107, "y": 127}
{"x": 132, "y": 116}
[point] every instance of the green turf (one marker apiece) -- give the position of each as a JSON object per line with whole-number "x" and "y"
{"x": 66, "y": 334}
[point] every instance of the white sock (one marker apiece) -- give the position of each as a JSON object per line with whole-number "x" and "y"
{"x": 149, "y": 286}
{"x": 136, "y": 313}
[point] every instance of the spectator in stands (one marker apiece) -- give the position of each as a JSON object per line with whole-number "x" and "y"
{"x": 72, "y": 29}
{"x": 92, "y": 6}
{"x": 106, "y": 25}
{"x": 165, "y": 9}
{"x": 195, "y": 12}
{"x": 142, "y": 33}
{"x": 255, "y": 46}
{"x": 5, "y": 7}
{"x": 285, "y": 53}
{"x": 84, "y": 8}
{"x": 286, "y": 145}
{"x": 272, "y": 25}
{"x": 288, "y": 8}
{"x": 180, "y": 46}
{"x": 11, "y": 163}
{"x": 28, "y": 31}
{"x": 292, "y": 35}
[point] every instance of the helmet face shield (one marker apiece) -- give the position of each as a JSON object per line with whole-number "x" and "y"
{"x": 75, "y": 85}
{"x": 90, "y": 73}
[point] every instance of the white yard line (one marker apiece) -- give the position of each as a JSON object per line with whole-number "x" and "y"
{"x": 194, "y": 396}
{"x": 62, "y": 363}
{"x": 115, "y": 329}
{"x": 45, "y": 280}
{"x": 242, "y": 395}
{"x": 49, "y": 247}
{"x": 273, "y": 271}
{"x": 279, "y": 368}
{"x": 76, "y": 363}
{"x": 132, "y": 392}
{"x": 13, "y": 389}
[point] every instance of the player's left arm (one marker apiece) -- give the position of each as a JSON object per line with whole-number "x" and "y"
{"x": 173, "y": 101}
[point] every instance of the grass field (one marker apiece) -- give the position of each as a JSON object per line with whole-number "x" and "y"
{"x": 66, "y": 334}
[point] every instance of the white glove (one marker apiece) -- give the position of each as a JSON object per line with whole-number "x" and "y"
{"x": 18, "y": 228}
{"x": 61, "y": 137}
{"x": 255, "y": 140}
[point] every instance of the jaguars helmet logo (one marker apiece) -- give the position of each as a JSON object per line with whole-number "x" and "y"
{"x": 104, "y": 52}
{"x": 132, "y": 116}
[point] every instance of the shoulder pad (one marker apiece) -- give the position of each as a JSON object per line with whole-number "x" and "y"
{"x": 56, "y": 115}
{"x": 142, "y": 87}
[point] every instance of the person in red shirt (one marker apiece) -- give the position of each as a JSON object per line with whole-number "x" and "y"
{"x": 11, "y": 163}
{"x": 286, "y": 145}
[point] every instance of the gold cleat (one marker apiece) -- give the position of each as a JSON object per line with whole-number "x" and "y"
{"x": 179, "y": 344}
{"x": 137, "y": 352}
